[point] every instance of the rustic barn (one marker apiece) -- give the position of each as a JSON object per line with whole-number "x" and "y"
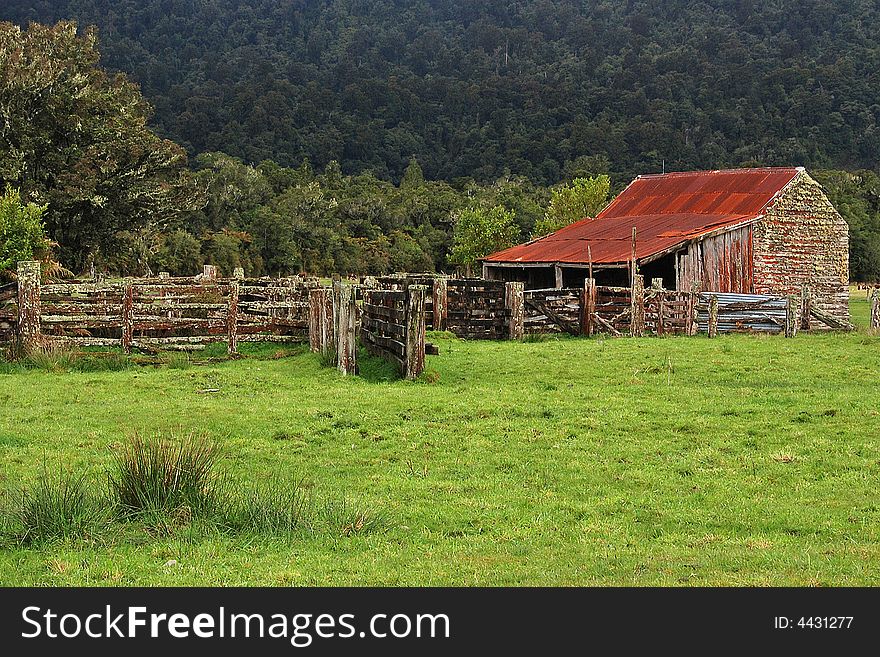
{"x": 758, "y": 231}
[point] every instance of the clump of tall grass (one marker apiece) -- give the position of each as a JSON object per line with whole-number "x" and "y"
{"x": 51, "y": 356}
{"x": 58, "y": 507}
{"x": 539, "y": 337}
{"x": 342, "y": 517}
{"x": 155, "y": 474}
{"x": 275, "y": 507}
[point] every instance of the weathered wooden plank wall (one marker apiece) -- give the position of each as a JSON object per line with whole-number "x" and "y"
{"x": 436, "y": 295}
{"x": 476, "y": 309}
{"x": 8, "y": 312}
{"x": 553, "y": 311}
{"x": 393, "y": 327}
{"x": 722, "y": 263}
{"x": 739, "y": 313}
{"x": 164, "y": 312}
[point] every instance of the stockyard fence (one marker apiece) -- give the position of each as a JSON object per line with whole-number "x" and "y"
{"x": 152, "y": 314}
{"x": 487, "y": 309}
{"x": 387, "y": 315}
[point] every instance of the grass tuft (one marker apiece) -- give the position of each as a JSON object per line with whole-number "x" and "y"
{"x": 58, "y": 507}
{"x": 159, "y": 475}
{"x": 275, "y": 507}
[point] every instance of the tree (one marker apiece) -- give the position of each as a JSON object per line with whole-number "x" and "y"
{"x": 479, "y": 232}
{"x": 75, "y": 139}
{"x": 584, "y": 197}
{"x": 22, "y": 236}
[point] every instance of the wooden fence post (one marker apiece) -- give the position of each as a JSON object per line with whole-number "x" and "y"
{"x": 661, "y": 311}
{"x": 415, "y": 331}
{"x": 209, "y": 273}
{"x": 806, "y": 307}
{"x": 791, "y": 319}
{"x": 713, "y": 316}
{"x": 321, "y": 326}
{"x": 345, "y": 313}
{"x": 515, "y": 304}
{"x": 637, "y": 306}
{"x": 875, "y": 308}
{"x": 588, "y": 306}
{"x": 28, "y": 304}
{"x": 232, "y": 318}
{"x": 127, "y": 317}
{"x": 238, "y": 272}
{"x": 439, "y": 294}
{"x": 316, "y": 305}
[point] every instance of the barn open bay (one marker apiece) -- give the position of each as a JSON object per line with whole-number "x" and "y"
{"x": 654, "y": 461}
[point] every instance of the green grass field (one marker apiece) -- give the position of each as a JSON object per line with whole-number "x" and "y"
{"x": 680, "y": 461}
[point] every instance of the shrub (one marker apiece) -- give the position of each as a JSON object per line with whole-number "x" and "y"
{"x": 22, "y": 236}
{"x": 59, "y": 507}
{"x": 159, "y": 475}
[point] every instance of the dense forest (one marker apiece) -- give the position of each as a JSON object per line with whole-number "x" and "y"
{"x": 349, "y": 135}
{"x": 473, "y": 88}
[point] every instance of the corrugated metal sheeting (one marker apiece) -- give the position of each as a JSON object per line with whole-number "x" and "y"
{"x": 666, "y": 210}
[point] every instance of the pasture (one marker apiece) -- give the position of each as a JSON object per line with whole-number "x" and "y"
{"x": 740, "y": 460}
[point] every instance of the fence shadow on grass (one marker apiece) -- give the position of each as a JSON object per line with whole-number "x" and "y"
{"x": 374, "y": 369}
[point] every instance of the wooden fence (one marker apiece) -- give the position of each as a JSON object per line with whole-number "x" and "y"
{"x": 159, "y": 313}
{"x": 8, "y": 312}
{"x": 875, "y": 309}
{"x": 552, "y": 311}
{"x": 483, "y": 309}
{"x": 435, "y": 298}
{"x": 393, "y": 327}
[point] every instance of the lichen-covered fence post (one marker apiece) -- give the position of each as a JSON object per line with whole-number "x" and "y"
{"x": 806, "y": 308}
{"x": 712, "y": 329}
{"x": 127, "y": 316}
{"x": 232, "y": 317}
{"x": 875, "y": 309}
{"x": 321, "y": 322}
{"x": 345, "y": 312}
{"x": 791, "y": 318}
{"x": 637, "y": 305}
{"x": 28, "y": 304}
{"x": 439, "y": 293}
{"x": 415, "y": 331}
{"x": 514, "y": 301}
{"x": 588, "y": 307}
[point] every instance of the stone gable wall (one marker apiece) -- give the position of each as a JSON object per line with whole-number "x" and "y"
{"x": 803, "y": 241}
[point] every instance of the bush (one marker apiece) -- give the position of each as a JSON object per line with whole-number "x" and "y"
{"x": 22, "y": 236}
{"x": 158, "y": 475}
{"x": 59, "y": 507}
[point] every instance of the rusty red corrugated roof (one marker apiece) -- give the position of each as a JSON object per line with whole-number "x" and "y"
{"x": 665, "y": 209}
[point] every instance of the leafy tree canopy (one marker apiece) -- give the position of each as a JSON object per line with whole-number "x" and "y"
{"x": 480, "y": 231}
{"x": 75, "y": 139}
{"x": 22, "y": 236}
{"x": 584, "y": 197}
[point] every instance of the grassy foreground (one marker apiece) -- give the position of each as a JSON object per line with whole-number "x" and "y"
{"x": 735, "y": 461}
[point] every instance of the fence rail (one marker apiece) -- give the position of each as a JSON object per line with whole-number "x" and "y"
{"x": 393, "y": 327}
{"x": 157, "y": 313}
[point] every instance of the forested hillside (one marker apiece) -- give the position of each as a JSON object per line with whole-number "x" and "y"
{"x": 367, "y": 136}
{"x": 475, "y": 87}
